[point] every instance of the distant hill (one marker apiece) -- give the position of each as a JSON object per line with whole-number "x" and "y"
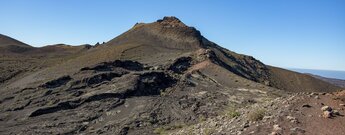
{"x": 10, "y": 45}
{"x": 6, "y": 40}
{"x": 17, "y": 58}
{"x": 337, "y": 82}
{"x": 337, "y": 74}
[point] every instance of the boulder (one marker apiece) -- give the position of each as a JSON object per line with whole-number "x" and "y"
{"x": 277, "y": 128}
{"x": 292, "y": 119}
{"x": 335, "y": 112}
{"x": 326, "y": 108}
{"x": 327, "y": 114}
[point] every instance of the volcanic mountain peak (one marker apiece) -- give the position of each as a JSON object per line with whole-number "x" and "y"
{"x": 166, "y": 32}
{"x": 171, "y": 21}
{"x": 174, "y": 24}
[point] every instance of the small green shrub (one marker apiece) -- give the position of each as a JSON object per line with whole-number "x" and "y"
{"x": 163, "y": 130}
{"x": 232, "y": 113}
{"x": 51, "y": 102}
{"x": 160, "y": 131}
{"x": 256, "y": 115}
{"x": 202, "y": 118}
{"x": 209, "y": 131}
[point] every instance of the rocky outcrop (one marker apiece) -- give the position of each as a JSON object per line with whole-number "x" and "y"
{"x": 109, "y": 66}
{"x": 181, "y": 64}
{"x": 57, "y": 82}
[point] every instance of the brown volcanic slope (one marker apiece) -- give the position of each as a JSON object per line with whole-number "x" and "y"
{"x": 158, "y": 74}
{"x": 17, "y": 58}
{"x": 5, "y": 40}
{"x": 10, "y": 45}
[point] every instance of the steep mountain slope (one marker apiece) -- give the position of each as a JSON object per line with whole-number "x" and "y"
{"x": 158, "y": 74}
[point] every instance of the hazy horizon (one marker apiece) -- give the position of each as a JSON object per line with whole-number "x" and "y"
{"x": 298, "y": 34}
{"x": 335, "y": 74}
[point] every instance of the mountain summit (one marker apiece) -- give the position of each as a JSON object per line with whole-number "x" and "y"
{"x": 171, "y": 21}
{"x": 169, "y": 32}
{"x": 153, "y": 76}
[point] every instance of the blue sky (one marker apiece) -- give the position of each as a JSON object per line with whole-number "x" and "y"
{"x": 285, "y": 33}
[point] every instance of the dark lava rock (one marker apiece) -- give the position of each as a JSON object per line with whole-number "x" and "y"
{"x": 180, "y": 65}
{"x": 108, "y": 66}
{"x": 57, "y": 82}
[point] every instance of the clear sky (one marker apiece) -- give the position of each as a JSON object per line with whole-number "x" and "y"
{"x": 285, "y": 33}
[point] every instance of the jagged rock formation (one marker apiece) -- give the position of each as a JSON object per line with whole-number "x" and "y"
{"x": 157, "y": 74}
